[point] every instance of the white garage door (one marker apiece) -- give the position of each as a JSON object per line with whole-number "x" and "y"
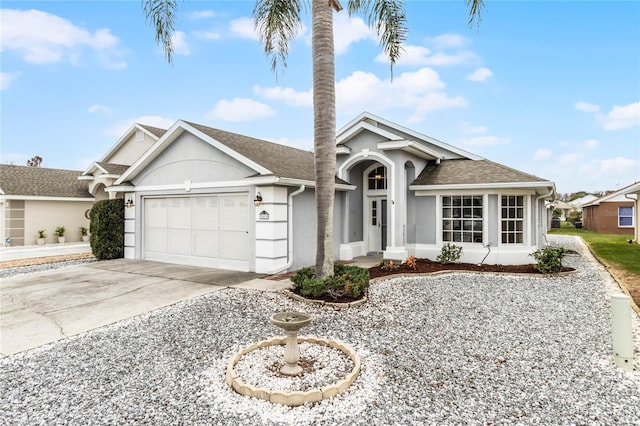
{"x": 208, "y": 231}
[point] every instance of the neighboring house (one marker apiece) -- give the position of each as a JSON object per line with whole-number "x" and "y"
{"x": 204, "y": 196}
{"x": 613, "y": 213}
{"x": 565, "y": 208}
{"x": 35, "y": 198}
{"x": 634, "y": 190}
{"x": 579, "y": 202}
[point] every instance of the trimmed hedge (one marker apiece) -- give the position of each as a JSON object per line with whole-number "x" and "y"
{"x": 107, "y": 229}
{"x": 346, "y": 281}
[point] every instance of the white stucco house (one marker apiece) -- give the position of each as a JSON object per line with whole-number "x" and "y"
{"x": 203, "y": 196}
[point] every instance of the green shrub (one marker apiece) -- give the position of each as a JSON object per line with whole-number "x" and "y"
{"x": 346, "y": 281}
{"x": 107, "y": 229}
{"x": 450, "y": 253}
{"x": 574, "y": 216}
{"x": 549, "y": 259}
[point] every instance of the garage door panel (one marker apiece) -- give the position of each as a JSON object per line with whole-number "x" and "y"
{"x": 180, "y": 241}
{"x": 199, "y": 230}
{"x": 234, "y": 245}
{"x": 204, "y": 213}
{"x": 205, "y": 243}
{"x": 179, "y": 213}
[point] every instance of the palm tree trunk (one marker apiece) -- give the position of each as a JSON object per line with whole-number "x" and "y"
{"x": 324, "y": 131}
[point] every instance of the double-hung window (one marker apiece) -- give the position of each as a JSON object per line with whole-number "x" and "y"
{"x": 462, "y": 218}
{"x": 512, "y": 219}
{"x": 625, "y": 217}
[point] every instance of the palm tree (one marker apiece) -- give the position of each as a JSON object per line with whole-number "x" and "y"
{"x": 277, "y": 23}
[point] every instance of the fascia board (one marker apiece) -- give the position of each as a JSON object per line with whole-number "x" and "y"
{"x": 365, "y": 126}
{"x": 409, "y": 146}
{"x": 463, "y": 186}
{"x": 44, "y": 198}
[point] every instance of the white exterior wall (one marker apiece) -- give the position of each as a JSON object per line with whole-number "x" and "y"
{"x": 51, "y": 214}
{"x": 271, "y": 233}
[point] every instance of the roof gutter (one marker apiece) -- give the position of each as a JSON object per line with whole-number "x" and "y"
{"x": 289, "y": 231}
{"x": 549, "y": 194}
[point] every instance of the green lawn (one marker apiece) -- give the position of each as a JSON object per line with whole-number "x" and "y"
{"x": 613, "y": 249}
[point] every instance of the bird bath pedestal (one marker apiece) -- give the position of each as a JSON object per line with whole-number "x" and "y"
{"x": 291, "y": 323}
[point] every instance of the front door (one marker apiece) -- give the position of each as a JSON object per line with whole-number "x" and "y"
{"x": 377, "y": 225}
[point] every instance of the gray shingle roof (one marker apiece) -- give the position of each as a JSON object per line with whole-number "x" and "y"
{"x": 42, "y": 182}
{"x": 451, "y": 172}
{"x": 112, "y": 168}
{"x": 154, "y": 130}
{"x": 283, "y": 161}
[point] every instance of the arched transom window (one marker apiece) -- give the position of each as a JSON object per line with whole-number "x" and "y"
{"x": 378, "y": 178}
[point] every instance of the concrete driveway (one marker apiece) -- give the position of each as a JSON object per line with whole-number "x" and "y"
{"x": 39, "y": 308}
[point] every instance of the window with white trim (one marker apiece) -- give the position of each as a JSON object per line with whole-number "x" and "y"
{"x": 625, "y": 217}
{"x": 512, "y": 219}
{"x": 462, "y": 218}
{"x": 378, "y": 178}
{"x": 139, "y": 136}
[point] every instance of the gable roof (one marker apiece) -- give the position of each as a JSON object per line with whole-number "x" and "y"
{"x": 156, "y": 131}
{"x": 265, "y": 158}
{"x": 474, "y": 172}
{"x": 629, "y": 189}
{"x": 42, "y": 182}
{"x": 280, "y": 160}
{"x": 395, "y": 132}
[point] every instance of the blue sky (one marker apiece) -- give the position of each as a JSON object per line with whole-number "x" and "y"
{"x": 550, "y": 88}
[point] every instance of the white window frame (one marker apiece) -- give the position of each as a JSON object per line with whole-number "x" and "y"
{"x": 139, "y": 135}
{"x": 441, "y": 229}
{"x": 502, "y": 219}
{"x": 632, "y": 217}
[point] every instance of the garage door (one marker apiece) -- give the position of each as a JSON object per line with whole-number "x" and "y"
{"x": 208, "y": 231}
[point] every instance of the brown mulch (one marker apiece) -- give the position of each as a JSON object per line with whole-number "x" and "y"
{"x": 424, "y": 266}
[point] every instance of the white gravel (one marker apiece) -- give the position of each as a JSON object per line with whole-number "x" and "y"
{"x": 448, "y": 349}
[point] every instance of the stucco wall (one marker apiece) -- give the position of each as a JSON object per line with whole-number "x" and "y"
{"x": 603, "y": 218}
{"x": 190, "y": 158}
{"x": 51, "y": 214}
{"x": 304, "y": 229}
{"x": 131, "y": 150}
{"x": 425, "y": 226}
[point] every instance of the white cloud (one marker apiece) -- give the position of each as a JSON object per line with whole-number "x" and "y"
{"x": 43, "y": 38}
{"x": 239, "y": 109}
{"x": 486, "y": 140}
{"x": 420, "y": 92}
{"x": 618, "y": 166}
{"x": 586, "y": 107}
{"x": 422, "y": 56}
{"x": 470, "y": 129}
{"x": 207, "y": 35}
{"x": 286, "y": 94}
{"x": 179, "y": 42}
{"x": 564, "y": 143}
{"x": 348, "y": 30}
{"x": 541, "y": 154}
{"x": 590, "y": 144}
{"x": 202, "y": 14}
{"x": 150, "y": 120}
{"x": 99, "y": 109}
{"x": 243, "y": 27}
{"x": 445, "y": 41}
{"x": 481, "y": 74}
{"x": 622, "y": 117}
{"x": 6, "y": 78}
{"x": 569, "y": 159}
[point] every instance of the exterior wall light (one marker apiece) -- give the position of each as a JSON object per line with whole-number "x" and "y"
{"x": 129, "y": 203}
{"x": 258, "y": 200}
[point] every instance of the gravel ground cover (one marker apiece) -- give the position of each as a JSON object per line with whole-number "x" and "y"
{"x": 448, "y": 349}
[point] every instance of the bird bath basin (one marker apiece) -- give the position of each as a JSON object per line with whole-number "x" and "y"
{"x": 291, "y": 323}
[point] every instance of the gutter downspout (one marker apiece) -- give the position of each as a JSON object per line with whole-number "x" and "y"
{"x": 289, "y": 232}
{"x": 540, "y": 215}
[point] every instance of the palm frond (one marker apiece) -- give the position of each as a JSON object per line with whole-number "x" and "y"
{"x": 475, "y": 11}
{"x": 389, "y": 19}
{"x": 162, "y": 16}
{"x": 277, "y": 23}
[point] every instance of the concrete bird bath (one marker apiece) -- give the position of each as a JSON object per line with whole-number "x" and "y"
{"x": 291, "y": 323}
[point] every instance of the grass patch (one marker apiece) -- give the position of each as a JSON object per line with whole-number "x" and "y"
{"x": 611, "y": 248}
